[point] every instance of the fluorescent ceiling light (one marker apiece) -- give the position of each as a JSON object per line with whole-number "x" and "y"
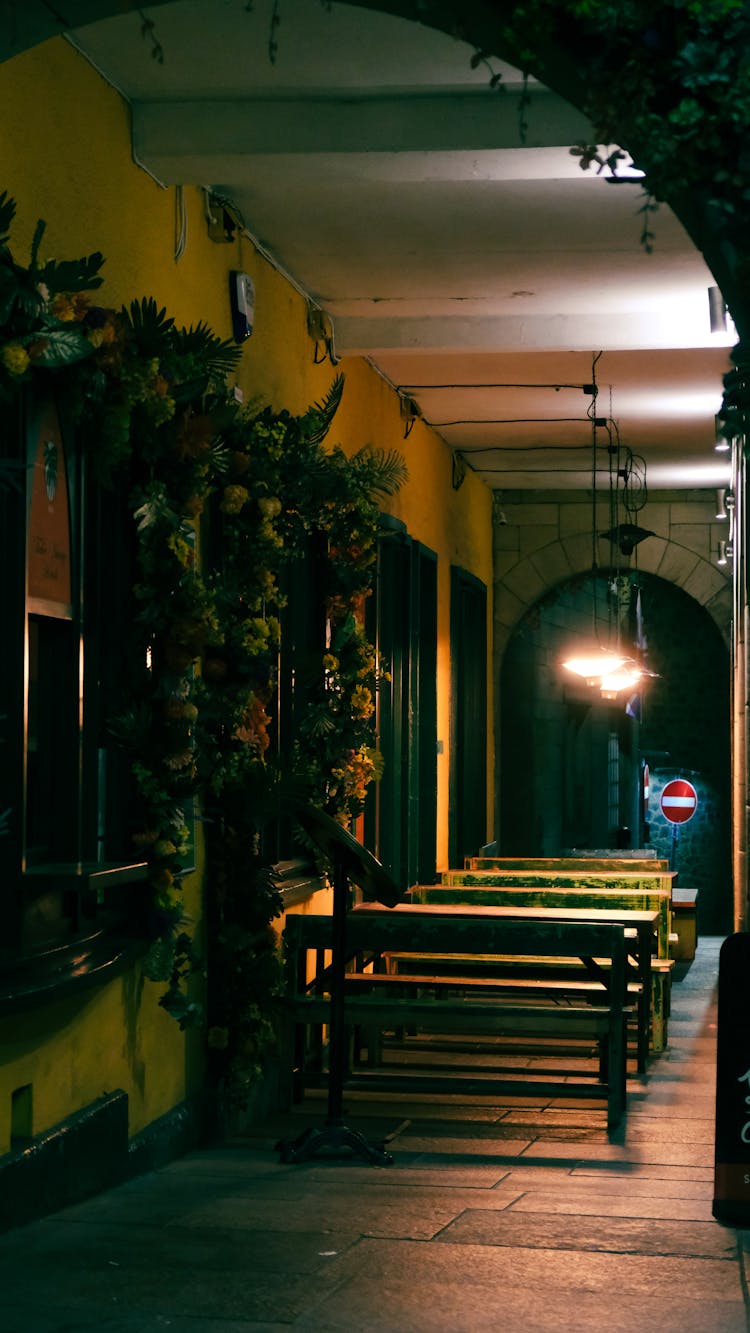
{"x": 679, "y": 403}
{"x": 712, "y": 473}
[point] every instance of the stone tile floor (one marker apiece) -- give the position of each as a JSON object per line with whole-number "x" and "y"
{"x": 521, "y": 1217}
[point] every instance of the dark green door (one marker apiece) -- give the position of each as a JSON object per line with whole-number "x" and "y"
{"x": 467, "y": 819}
{"x": 402, "y": 815}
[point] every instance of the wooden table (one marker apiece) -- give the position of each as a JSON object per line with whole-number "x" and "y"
{"x": 639, "y": 926}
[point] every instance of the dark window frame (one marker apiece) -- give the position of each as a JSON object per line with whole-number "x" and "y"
{"x": 69, "y": 910}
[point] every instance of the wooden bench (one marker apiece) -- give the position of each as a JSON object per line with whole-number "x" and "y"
{"x": 684, "y": 923}
{"x": 376, "y": 1002}
{"x": 488, "y": 893}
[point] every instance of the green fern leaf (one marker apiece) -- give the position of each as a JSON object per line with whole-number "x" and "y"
{"x": 381, "y": 470}
{"x": 219, "y": 356}
{"x": 150, "y": 327}
{"x": 317, "y": 421}
{"x": 36, "y": 242}
{"x": 7, "y": 214}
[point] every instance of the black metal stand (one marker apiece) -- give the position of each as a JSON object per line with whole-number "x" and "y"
{"x": 335, "y": 1137}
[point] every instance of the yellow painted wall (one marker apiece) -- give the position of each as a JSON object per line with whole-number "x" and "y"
{"x": 65, "y": 156}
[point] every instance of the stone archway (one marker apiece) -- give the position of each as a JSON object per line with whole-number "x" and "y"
{"x": 570, "y": 770}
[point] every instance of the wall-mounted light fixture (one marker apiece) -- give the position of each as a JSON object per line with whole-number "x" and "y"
{"x": 222, "y": 219}
{"x": 721, "y": 505}
{"x": 721, "y": 553}
{"x": 627, "y": 536}
{"x": 410, "y": 412}
{"x": 242, "y": 304}
{"x": 320, "y": 329}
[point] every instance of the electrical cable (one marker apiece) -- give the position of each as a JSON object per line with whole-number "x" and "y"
{"x": 521, "y": 448}
{"x": 181, "y": 224}
{"x": 524, "y": 472}
{"x": 504, "y": 421}
{"x": 594, "y": 544}
{"x": 493, "y": 385}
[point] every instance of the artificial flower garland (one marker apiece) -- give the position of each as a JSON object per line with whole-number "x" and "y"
{"x": 252, "y": 488}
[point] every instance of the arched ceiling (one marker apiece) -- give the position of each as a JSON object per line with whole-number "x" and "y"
{"x": 480, "y": 270}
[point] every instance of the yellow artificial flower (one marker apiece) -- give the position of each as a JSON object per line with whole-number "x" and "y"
{"x": 234, "y": 499}
{"x": 164, "y": 847}
{"x": 63, "y": 308}
{"x": 15, "y": 358}
{"x": 361, "y": 702}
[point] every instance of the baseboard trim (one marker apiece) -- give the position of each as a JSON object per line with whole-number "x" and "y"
{"x": 172, "y": 1135}
{"x": 90, "y": 1152}
{"x": 85, "y": 1153}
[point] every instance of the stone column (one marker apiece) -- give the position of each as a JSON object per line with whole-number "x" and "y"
{"x": 736, "y": 415}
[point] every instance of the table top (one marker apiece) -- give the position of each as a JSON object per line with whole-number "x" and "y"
{"x": 546, "y": 875}
{"x": 600, "y": 915}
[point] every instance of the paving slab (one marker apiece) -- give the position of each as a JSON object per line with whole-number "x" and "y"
{"x": 378, "y": 1210}
{"x": 665, "y": 1154}
{"x": 621, "y": 1235}
{"x": 382, "y": 1306}
{"x": 410, "y": 1169}
{"x": 605, "y": 1273}
{"x": 603, "y": 1185}
{"x": 661, "y": 1129}
{"x": 72, "y": 1252}
{"x": 647, "y": 1171}
{"x": 601, "y": 1203}
{"x": 237, "y": 1293}
{"x": 498, "y": 1150}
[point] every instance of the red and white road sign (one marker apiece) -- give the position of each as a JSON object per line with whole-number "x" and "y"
{"x": 679, "y": 801}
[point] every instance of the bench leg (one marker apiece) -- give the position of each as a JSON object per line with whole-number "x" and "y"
{"x": 660, "y": 997}
{"x": 616, "y": 1064}
{"x": 374, "y": 1043}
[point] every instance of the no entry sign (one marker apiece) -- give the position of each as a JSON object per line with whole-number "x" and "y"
{"x": 679, "y": 801}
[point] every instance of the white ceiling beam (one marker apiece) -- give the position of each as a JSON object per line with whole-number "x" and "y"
{"x": 178, "y": 131}
{"x": 576, "y": 333}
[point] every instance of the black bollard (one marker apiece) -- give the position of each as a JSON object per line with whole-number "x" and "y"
{"x": 732, "y": 1153}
